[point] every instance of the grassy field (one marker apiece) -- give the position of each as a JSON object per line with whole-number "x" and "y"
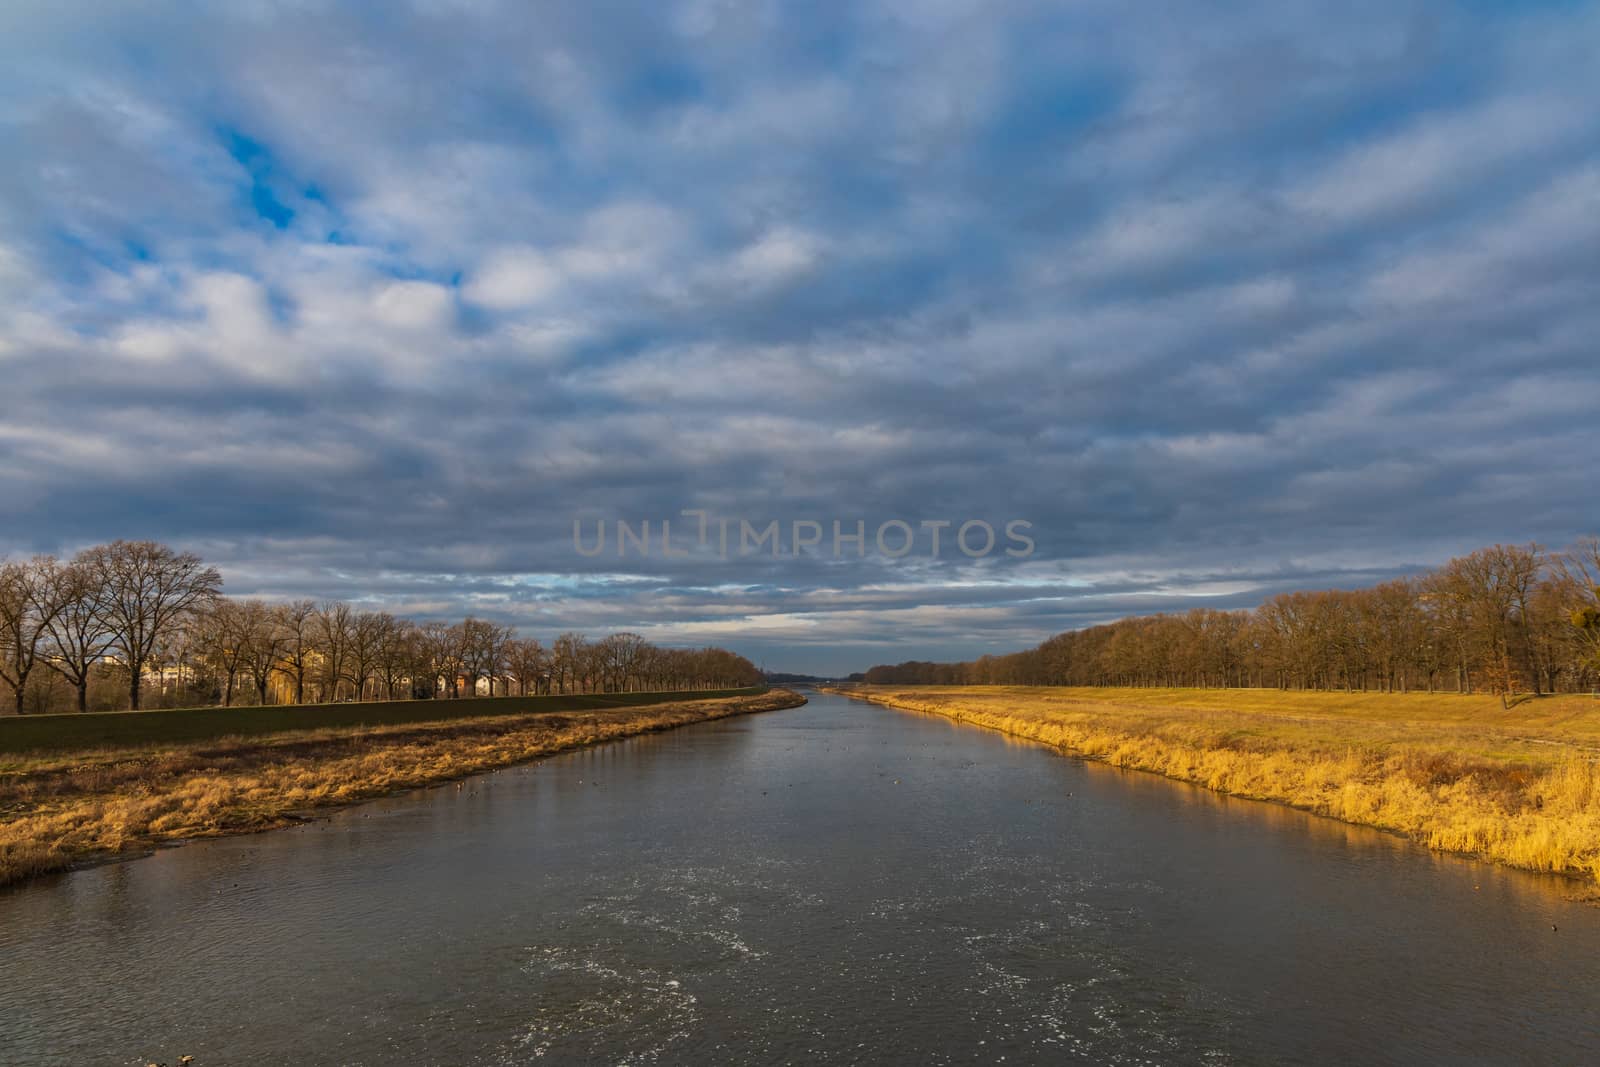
{"x": 58, "y": 808}
{"x": 22, "y": 733}
{"x": 1519, "y": 786}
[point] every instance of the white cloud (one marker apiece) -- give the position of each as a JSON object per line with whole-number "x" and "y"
{"x": 781, "y": 255}
{"x": 1153, "y": 235}
{"x": 513, "y": 278}
{"x": 624, "y": 240}
{"x": 225, "y": 319}
{"x": 1416, "y": 166}
{"x": 1554, "y": 227}
{"x": 413, "y": 305}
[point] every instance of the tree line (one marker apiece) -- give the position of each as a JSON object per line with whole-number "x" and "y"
{"x": 115, "y": 619}
{"x": 1504, "y": 620}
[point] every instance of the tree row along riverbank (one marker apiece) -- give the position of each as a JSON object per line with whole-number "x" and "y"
{"x": 1518, "y": 786}
{"x": 58, "y": 809}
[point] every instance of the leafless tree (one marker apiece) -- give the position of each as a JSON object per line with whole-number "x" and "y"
{"x": 482, "y": 650}
{"x": 566, "y": 658}
{"x": 148, "y": 589}
{"x": 32, "y": 597}
{"x": 526, "y": 663}
{"x": 79, "y": 636}
{"x": 221, "y": 638}
{"x": 1492, "y": 588}
{"x": 440, "y": 648}
{"x": 334, "y": 627}
{"x": 1578, "y": 579}
{"x": 368, "y": 633}
{"x": 297, "y": 620}
{"x": 619, "y": 659}
{"x": 264, "y": 643}
{"x": 150, "y": 611}
{"x": 401, "y": 660}
{"x": 1496, "y": 619}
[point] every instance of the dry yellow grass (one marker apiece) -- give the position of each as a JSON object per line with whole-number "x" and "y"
{"x": 1518, "y": 786}
{"x": 57, "y": 809}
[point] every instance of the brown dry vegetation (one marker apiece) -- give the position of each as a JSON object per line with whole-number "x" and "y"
{"x": 1518, "y": 786}
{"x": 60, "y": 808}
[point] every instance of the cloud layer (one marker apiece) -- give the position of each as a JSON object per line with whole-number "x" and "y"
{"x": 374, "y": 303}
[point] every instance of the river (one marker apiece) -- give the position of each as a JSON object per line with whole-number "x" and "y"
{"x": 838, "y": 883}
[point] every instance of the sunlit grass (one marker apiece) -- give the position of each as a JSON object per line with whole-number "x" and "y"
{"x": 58, "y": 808}
{"x": 1519, "y": 786}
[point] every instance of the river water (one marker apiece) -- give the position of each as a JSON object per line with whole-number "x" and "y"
{"x": 838, "y": 883}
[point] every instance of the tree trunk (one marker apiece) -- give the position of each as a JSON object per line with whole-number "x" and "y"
{"x": 83, "y": 692}
{"x": 134, "y": 672}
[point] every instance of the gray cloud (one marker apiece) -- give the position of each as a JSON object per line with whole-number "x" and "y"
{"x": 373, "y": 307}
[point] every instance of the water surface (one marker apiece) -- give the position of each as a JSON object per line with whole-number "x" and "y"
{"x": 839, "y": 883}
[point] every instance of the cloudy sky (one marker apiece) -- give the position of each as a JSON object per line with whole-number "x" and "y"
{"x": 373, "y": 301}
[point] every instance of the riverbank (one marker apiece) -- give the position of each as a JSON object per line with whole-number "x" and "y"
{"x": 121, "y": 729}
{"x": 59, "y": 809}
{"x": 1518, "y": 786}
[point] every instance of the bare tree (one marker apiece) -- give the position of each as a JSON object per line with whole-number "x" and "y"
{"x": 263, "y": 643}
{"x": 79, "y": 636}
{"x": 440, "y": 648}
{"x": 154, "y": 612}
{"x": 296, "y": 619}
{"x": 32, "y": 596}
{"x": 527, "y": 664}
{"x": 401, "y": 661}
{"x": 1492, "y": 588}
{"x": 1497, "y": 619}
{"x": 566, "y": 660}
{"x": 148, "y": 588}
{"x": 619, "y": 658}
{"x": 1578, "y": 579}
{"x": 220, "y": 637}
{"x": 483, "y": 652}
{"x": 335, "y": 630}
{"x": 368, "y": 633}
